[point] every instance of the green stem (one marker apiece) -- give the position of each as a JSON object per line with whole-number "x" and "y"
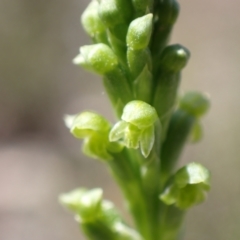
{"x": 137, "y": 60}
{"x": 118, "y": 89}
{"x": 150, "y": 169}
{"x": 118, "y": 46}
{"x": 98, "y": 230}
{"x": 167, "y": 12}
{"x": 128, "y": 177}
{"x": 165, "y": 97}
{"x": 159, "y": 41}
{"x": 170, "y": 222}
{"x": 179, "y": 129}
{"x": 151, "y": 189}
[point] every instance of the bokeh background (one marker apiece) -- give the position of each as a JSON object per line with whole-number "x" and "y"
{"x": 38, "y": 85}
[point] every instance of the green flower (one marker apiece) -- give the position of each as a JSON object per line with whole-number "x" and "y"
{"x": 188, "y": 186}
{"x": 94, "y": 129}
{"x": 137, "y": 127}
{"x": 195, "y": 103}
{"x": 86, "y": 204}
{"x": 97, "y": 57}
{"x": 98, "y": 217}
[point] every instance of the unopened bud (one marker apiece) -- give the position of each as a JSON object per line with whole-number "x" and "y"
{"x": 174, "y": 58}
{"x": 139, "y": 32}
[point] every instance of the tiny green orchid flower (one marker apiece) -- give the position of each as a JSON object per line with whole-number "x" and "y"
{"x": 86, "y": 204}
{"x": 97, "y": 57}
{"x": 98, "y": 217}
{"x": 137, "y": 127}
{"x": 94, "y": 129}
{"x": 188, "y": 187}
{"x": 195, "y": 103}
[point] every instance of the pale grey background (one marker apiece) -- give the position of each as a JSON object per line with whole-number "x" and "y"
{"x": 38, "y": 85}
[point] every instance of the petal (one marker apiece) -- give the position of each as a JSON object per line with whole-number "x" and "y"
{"x": 117, "y": 131}
{"x": 147, "y": 140}
{"x": 132, "y": 136}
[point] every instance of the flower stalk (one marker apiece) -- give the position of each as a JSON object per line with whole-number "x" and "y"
{"x": 141, "y": 74}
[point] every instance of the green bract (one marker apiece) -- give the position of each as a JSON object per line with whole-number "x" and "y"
{"x": 142, "y": 7}
{"x": 142, "y": 84}
{"x": 137, "y": 127}
{"x": 188, "y": 187}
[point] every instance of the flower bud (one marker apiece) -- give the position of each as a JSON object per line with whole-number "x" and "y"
{"x": 195, "y": 103}
{"x": 139, "y": 32}
{"x": 98, "y": 57}
{"x": 91, "y": 21}
{"x": 188, "y": 187}
{"x": 174, "y": 58}
{"x": 137, "y": 127}
{"x": 168, "y": 11}
{"x": 114, "y": 12}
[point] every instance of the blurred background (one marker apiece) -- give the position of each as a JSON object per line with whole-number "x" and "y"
{"x": 39, "y": 84}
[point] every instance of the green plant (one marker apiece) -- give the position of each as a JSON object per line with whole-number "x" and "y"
{"x": 141, "y": 75}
